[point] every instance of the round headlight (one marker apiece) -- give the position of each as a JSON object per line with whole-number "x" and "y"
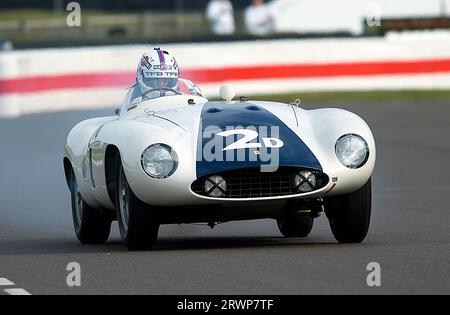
{"x": 352, "y": 151}
{"x": 159, "y": 161}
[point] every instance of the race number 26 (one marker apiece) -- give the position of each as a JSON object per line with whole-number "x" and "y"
{"x": 246, "y": 141}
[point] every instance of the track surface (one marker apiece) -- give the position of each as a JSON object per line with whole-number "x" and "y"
{"x": 409, "y": 236}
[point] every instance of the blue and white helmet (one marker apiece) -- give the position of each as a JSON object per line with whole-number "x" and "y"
{"x": 156, "y": 69}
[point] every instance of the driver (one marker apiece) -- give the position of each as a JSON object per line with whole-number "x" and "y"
{"x": 157, "y": 75}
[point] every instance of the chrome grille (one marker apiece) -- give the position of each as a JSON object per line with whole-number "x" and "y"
{"x": 252, "y": 183}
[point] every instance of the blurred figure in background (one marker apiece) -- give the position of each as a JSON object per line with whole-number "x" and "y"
{"x": 5, "y": 45}
{"x": 259, "y": 19}
{"x": 445, "y": 8}
{"x": 221, "y": 15}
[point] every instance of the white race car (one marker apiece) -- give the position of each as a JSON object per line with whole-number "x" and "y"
{"x": 180, "y": 158}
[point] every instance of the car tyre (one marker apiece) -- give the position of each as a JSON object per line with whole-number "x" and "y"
{"x": 138, "y": 224}
{"x": 92, "y": 226}
{"x": 349, "y": 214}
{"x": 295, "y": 225}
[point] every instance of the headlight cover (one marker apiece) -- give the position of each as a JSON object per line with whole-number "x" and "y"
{"x": 159, "y": 161}
{"x": 352, "y": 151}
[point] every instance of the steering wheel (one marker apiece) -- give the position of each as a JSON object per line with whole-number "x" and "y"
{"x": 162, "y": 89}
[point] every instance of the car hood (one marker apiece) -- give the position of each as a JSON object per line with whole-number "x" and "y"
{"x": 255, "y": 129}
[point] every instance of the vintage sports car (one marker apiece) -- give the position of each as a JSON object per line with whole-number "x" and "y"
{"x": 179, "y": 158}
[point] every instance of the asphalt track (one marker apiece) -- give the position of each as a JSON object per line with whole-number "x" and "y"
{"x": 409, "y": 236}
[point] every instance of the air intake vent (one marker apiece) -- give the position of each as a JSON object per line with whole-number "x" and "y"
{"x": 252, "y": 183}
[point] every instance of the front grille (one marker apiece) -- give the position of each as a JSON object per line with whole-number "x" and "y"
{"x": 252, "y": 183}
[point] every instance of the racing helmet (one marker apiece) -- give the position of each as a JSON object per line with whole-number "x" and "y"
{"x": 157, "y": 69}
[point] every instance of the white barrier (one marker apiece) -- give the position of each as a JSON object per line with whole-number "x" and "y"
{"x": 33, "y": 81}
{"x": 9, "y": 103}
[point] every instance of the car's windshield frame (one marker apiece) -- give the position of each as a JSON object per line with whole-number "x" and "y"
{"x": 135, "y": 96}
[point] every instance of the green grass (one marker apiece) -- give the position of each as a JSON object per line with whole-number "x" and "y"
{"x": 7, "y": 15}
{"x": 354, "y": 97}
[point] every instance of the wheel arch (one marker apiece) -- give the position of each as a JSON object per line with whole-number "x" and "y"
{"x": 68, "y": 171}
{"x": 112, "y": 154}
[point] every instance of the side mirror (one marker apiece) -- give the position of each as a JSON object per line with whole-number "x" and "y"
{"x": 117, "y": 111}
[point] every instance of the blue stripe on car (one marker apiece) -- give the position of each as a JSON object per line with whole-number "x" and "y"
{"x": 294, "y": 153}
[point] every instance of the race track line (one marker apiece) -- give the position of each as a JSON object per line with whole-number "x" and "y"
{"x": 16, "y": 292}
{"x": 12, "y": 291}
{"x": 5, "y": 282}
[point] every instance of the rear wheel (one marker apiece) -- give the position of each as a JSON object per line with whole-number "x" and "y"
{"x": 349, "y": 214}
{"x": 295, "y": 225}
{"x": 138, "y": 224}
{"x": 92, "y": 226}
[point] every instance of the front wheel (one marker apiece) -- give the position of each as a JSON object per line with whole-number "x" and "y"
{"x": 137, "y": 223}
{"x": 349, "y": 214}
{"x": 92, "y": 226}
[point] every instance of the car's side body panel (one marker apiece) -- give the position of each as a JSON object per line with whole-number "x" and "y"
{"x": 78, "y": 152}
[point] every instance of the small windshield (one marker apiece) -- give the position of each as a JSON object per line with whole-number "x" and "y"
{"x": 184, "y": 87}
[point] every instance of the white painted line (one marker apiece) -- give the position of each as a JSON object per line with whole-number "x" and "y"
{"x": 5, "y": 282}
{"x": 17, "y": 292}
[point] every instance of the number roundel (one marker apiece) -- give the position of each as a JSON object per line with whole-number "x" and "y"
{"x": 248, "y": 136}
